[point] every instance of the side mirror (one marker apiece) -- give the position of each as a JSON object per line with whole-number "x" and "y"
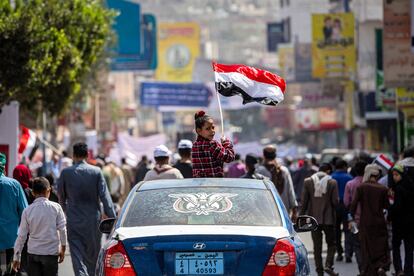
{"x": 305, "y": 224}
{"x": 106, "y": 225}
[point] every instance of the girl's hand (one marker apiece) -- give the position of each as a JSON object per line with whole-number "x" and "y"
{"x": 223, "y": 139}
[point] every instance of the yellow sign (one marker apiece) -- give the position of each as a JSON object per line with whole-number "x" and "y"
{"x": 333, "y": 46}
{"x": 405, "y": 97}
{"x": 178, "y": 47}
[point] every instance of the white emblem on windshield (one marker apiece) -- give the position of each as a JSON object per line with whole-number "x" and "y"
{"x": 202, "y": 203}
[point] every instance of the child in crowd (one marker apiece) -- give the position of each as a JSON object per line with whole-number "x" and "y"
{"x": 45, "y": 223}
{"x": 208, "y": 155}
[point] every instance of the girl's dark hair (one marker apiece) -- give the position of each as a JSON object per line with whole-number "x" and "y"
{"x": 200, "y": 119}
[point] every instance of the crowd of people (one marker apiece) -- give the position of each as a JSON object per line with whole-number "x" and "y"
{"x": 366, "y": 203}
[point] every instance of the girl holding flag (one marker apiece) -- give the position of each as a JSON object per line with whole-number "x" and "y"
{"x": 253, "y": 85}
{"x": 209, "y": 155}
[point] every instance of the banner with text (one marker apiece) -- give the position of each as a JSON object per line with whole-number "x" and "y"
{"x": 333, "y": 46}
{"x": 193, "y": 95}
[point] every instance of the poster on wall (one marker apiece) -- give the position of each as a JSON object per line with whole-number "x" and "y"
{"x": 178, "y": 48}
{"x": 333, "y": 46}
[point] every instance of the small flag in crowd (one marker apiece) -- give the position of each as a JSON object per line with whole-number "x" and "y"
{"x": 384, "y": 161}
{"x": 27, "y": 141}
{"x": 252, "y": 84}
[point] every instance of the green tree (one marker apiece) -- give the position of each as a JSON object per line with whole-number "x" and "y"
{"x": 50, "y": 50}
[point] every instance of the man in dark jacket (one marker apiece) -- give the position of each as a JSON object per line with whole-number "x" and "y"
{"x": 320, "y": 199}
{"x": 300, "y": 175}
{"x": 251, "y": 161}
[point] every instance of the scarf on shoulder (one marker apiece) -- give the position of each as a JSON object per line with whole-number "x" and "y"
{"x": 320, "y": 182}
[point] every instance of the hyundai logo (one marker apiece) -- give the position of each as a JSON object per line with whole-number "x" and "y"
{"x": 199, "y": 246}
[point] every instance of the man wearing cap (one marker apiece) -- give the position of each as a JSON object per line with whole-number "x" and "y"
{"x": 162, "y": 169}
{"x": 184, "y": 165}
{"x": 251, "y": 161}
{"x": 12, "y": 203}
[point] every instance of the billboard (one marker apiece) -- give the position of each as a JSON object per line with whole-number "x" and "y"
{"x": 307, "y": 119}
{"x": 178, "y": 48}
{"x": 135, "y": 47}
{"x": 175, "y": 94}
{"x": 398, "y": 58}
{"x": 405, "y": 98}
{"x": 313, "y": 96}
{"x": 333, "y": 46}
{"x": 330, "y": 118}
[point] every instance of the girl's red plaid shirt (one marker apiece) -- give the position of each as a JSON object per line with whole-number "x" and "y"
{"x": 208, "y": 157}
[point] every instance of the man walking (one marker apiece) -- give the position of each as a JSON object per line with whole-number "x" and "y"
{"x": 342, "y": 177}
{"x": 319, "y": 199}
{"x": 81, "y": 187}
{"x": 281, "y": 178}
{"x": 12, "y": 203}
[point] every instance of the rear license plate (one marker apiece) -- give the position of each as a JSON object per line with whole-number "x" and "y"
{"x": 199, "y": 263}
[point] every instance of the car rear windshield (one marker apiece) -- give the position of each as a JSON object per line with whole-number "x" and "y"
{"x": 202, "y": 205}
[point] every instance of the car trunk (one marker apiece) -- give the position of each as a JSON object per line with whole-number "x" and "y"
{"x": 200, "y": 254}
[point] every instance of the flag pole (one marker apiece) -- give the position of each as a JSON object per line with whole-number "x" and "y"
{"x": 221, "y": 113}
{"x": 213, "y": 63}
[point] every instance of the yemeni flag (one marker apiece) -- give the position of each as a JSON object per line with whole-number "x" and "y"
{"x": 252, "y": 84}
{"x": 384, "y": 161}
{"x": 27, "y": 141}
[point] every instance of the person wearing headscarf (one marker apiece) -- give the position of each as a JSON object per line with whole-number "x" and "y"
{"x": 22, "y": 174}
{"x": 401, "y": 216}
{"x": 12, "y": 204}
{"x": 373, "y": 199}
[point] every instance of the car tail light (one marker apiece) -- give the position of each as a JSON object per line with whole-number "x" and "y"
{"x": 117, "y": 261}
{"x": 283, "y": 260}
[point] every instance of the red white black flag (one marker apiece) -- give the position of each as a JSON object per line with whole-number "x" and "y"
{"x": 27, "y": 141}
{"x": 252, "y": 84}
{"x": 384, "y": 161}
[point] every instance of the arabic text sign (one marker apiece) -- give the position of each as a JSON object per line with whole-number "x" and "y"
{"x": 174, "y": 94}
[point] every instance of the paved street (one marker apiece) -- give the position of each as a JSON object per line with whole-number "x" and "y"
{"x": 343, "y": 268}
